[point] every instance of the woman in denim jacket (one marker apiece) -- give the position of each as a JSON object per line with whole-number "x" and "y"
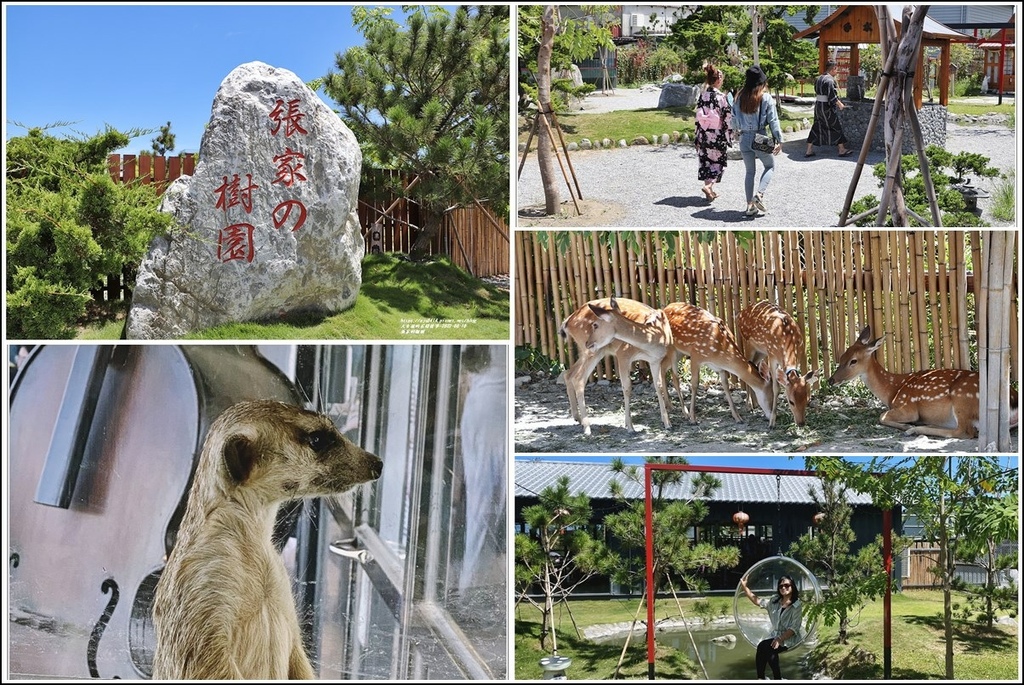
{"x": 753, "y": 110}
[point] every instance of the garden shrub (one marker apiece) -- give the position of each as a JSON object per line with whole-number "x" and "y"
{"x": 68, "y": 227}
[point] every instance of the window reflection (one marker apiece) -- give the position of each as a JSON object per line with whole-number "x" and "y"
{"x": 418, "y": 590}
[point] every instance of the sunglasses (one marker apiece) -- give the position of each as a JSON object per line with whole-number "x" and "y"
{"x": 782, "y": 585}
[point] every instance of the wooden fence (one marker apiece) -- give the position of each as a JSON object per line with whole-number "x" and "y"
{"x": 919, "y": 564}
{"x": 472, "y": 237}
{"x": 917, "y": 287}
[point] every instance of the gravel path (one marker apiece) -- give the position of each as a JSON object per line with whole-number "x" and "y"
{"x": 656, "y": 185}
{"x": 836, "y": 424}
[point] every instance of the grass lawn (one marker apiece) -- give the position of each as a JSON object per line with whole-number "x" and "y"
{"x": 646, "y": 122}
{"x": 917, "y": 652}
{"x": 397, "y": 299}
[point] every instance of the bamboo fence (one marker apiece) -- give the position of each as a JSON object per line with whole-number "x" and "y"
{"x": 919, "y": 288}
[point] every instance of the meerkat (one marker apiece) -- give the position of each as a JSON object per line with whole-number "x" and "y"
{"x": 224, "y": 607}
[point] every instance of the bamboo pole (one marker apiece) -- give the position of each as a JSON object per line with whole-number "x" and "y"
{"x": 819, "y": 327}
{"x": 917, "y": 292}
{"x": 522, "y": 288}
{"x": 945, "y": 304}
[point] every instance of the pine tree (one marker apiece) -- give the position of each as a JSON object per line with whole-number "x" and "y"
{"x": 851, "y": 580}
{"x": 164, "y": 142}
{"x": 430, "y": 99}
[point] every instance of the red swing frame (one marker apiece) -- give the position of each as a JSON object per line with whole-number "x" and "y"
{"x": 650, "y": 595}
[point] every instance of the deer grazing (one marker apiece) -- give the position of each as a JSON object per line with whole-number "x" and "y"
{"x": 938, "y": 402}
{"x": 705, "y": 339}
{"x": 595, "y": 338}
{"x": 770, "y": 334}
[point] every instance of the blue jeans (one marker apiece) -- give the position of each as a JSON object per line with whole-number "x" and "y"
{"x": 750, "y": 157}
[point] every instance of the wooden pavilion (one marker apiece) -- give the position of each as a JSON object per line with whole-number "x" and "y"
{"x": 999, "y": 60}
{"x": 852, "y": 25}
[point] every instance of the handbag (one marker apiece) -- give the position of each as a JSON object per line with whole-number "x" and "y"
{"x": 762, "y": 143}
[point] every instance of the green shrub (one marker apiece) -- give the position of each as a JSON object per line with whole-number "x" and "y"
{"x": 946, "y": 171}
{"x": 1004, "y": 198}
{"x": 68, "y": 227}
{"x": 38, "y": 309}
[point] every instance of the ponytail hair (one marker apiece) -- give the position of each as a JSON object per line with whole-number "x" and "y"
{"x": 711, "y": 74}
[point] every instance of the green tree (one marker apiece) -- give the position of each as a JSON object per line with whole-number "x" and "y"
{"x": 430, "y": 99}
{"x": 558, "y": 554}
{"x": 990, "y": 516}
{"x": 940, "y": 491}
{"x": 707, "y": 33}
{"x": 68, "y": 227}
{"x": 947, "y": 172}
{"x": 549, "y": 42}
{"x": 675, "y": 554}
{"x": 852, "y": 580}
{"x": 164, "y": 142}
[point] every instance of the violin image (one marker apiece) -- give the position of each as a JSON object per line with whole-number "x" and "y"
{"x": 103, "y": 443}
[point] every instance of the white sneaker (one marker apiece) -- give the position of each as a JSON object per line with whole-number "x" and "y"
{"x": 759, "y": 202}
{"x": 751, "y": 211}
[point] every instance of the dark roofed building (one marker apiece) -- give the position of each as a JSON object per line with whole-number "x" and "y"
{"x": 780, "y": 509}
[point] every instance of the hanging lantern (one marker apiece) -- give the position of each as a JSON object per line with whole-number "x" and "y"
{"x": 819, "y": 517}
{"x": 740, "y": 519}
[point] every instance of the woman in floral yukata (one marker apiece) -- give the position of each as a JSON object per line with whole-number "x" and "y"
{"x": 713, "y": 135}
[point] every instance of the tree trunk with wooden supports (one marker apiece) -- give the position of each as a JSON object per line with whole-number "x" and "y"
{"x": 432, "y": 221}
{"x": 545, "y": 145}
{"x": 994, "y": 329}
{"x": 899, "y": 107}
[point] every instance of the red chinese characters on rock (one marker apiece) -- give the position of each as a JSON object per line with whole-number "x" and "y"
{"x": 289, "y": 167}
{"x": 284, "y": 210}
{"x": 231, "y": 193}
{"x": 290, "y": 116}
{"x": 235, "y": 242}
{"x": 289, "y": 163}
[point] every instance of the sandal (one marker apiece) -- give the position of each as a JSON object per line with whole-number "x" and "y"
{"x": 846, "y": 154}
{"x": 808, "y": 154}
{"x": 708, "y": 193}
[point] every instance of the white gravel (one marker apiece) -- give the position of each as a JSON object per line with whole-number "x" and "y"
{"x": 656, "y": 185}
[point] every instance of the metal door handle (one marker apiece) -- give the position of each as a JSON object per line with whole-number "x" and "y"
{"x": 349, "y": 548}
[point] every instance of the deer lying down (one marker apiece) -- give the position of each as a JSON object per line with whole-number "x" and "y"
{"x": 938, "y": 402}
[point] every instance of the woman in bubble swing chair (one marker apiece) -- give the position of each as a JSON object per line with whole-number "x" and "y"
{"x": 786, "y": 613}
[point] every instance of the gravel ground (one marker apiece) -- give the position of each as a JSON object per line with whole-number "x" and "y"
{"x": 656, "y": 185}
{"x": 836, "y": 424}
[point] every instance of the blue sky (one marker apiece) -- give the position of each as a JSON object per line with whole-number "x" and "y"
{"x": 140, "y": 66}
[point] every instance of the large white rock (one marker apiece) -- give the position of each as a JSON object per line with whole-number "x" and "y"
{"x": 267, "y": 225}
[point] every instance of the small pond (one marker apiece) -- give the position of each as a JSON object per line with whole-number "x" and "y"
{"x": 723, "y": 660}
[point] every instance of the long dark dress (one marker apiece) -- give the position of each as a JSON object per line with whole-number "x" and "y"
{"x": 826, "y": 129}
{"x": 711, "y": 135}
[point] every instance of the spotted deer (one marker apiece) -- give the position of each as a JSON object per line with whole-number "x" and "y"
{"x": 937, "y": 402}
{"x": 705, "y": 339}
{"x": 769, "y": 334}
{"x": 595, "y": 339}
